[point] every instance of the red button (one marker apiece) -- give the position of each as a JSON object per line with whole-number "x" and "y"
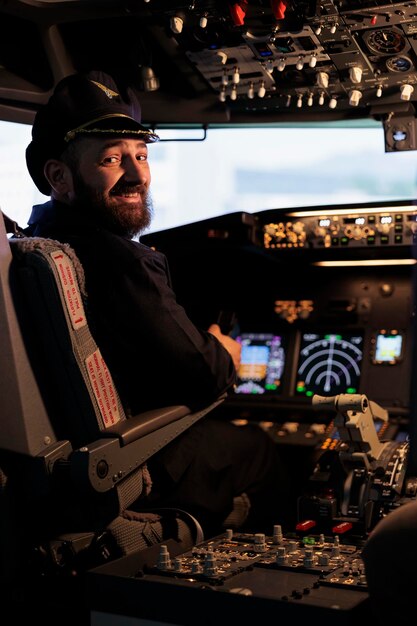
{"x": 305, "y": 525}
{"x": 342, "y": 528}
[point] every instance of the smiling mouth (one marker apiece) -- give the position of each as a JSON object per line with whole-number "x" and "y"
{"x": 127, "y": 192}
{"x": 121, "y": 195}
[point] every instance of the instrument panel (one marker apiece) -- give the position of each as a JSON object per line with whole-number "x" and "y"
{"x": 300, "y": 56}
{"x": 287, "y": 59}
{"x": 319, "y": 577}
{"x": 224, "y": 62}
{"x": 322, "y": 297}
{"x": 363, "y": 227}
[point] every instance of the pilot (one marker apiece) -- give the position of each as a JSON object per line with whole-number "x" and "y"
{"x": 89, "y": 153}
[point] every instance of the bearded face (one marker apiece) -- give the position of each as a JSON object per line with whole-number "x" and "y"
{"x": 110, "y": 180}
{"x": 127, "y": 218}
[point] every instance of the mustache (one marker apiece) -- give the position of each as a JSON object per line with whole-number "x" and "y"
{"x": 121, "y": 188}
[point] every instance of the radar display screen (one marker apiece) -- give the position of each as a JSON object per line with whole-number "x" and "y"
{"x": 329, "y": 363}
{"x": 262, "y": 364}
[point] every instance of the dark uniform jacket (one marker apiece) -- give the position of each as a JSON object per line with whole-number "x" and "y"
{"x": 155, "y": 353}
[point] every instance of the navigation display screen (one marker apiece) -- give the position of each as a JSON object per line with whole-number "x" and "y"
{"x": 262, "y": 364}
{"x": 329, "y": 364}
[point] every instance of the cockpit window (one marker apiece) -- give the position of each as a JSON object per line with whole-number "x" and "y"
{"x": 243, "y": 169}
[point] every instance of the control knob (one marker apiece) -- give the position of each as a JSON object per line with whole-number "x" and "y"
{"x": 384, "y": 228}
{"x": 355, "y": 74}
{"x": 406, "y": 91}
{"x": 354, "y": 96}
{"x": 322, "y": 80}
{"x": 354, "y": 232}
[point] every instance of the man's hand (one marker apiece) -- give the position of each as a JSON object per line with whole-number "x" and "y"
{"x": 233, "y": 347}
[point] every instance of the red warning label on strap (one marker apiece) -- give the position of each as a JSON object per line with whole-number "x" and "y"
{"x": 70, "y": 290}
{"x": 103, "y": 388}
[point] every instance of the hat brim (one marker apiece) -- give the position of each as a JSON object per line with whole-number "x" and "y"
{"x": 112, "y": 124}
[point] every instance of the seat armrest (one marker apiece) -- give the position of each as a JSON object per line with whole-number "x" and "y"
{"x": 105, "y": 462}
{"x": 140, "y": 425}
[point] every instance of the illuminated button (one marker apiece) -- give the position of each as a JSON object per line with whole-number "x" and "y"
{"x": 344, "y": 241}
{"x": 398, "y": 238}
{"x": 304, "y": 526}
{"x": 398, "y": 228}
{"x": 342, "y": 528}
{"x": 335, "y": 241}
{"x": 399, "y": 217}
{"x": 309, "y": 541}
{"x": 384, "y": 239}
{"x": 370, "y": 239}
{"x": 371, "y": 219}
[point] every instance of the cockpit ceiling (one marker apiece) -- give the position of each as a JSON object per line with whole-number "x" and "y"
{"x": 219, "y": 61}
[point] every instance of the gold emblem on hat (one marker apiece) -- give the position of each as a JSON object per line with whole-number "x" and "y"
{"x": 109, "y": 92}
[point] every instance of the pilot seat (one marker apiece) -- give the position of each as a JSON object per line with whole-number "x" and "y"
{"x": 71, "y": 461}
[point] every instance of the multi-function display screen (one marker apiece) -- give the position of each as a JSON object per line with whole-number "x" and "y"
{"x": 329, "y": 363}
{"x": 388, "y": 347}
{"x": 262, "y": 363}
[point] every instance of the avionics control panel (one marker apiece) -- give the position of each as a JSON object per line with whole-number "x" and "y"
{"x": 319, "y": 578}
{"x": 340, "y": 228}
{"x": 307, "y": 323}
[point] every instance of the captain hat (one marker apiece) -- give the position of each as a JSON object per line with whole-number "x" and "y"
{"x": 82, "y": 105}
